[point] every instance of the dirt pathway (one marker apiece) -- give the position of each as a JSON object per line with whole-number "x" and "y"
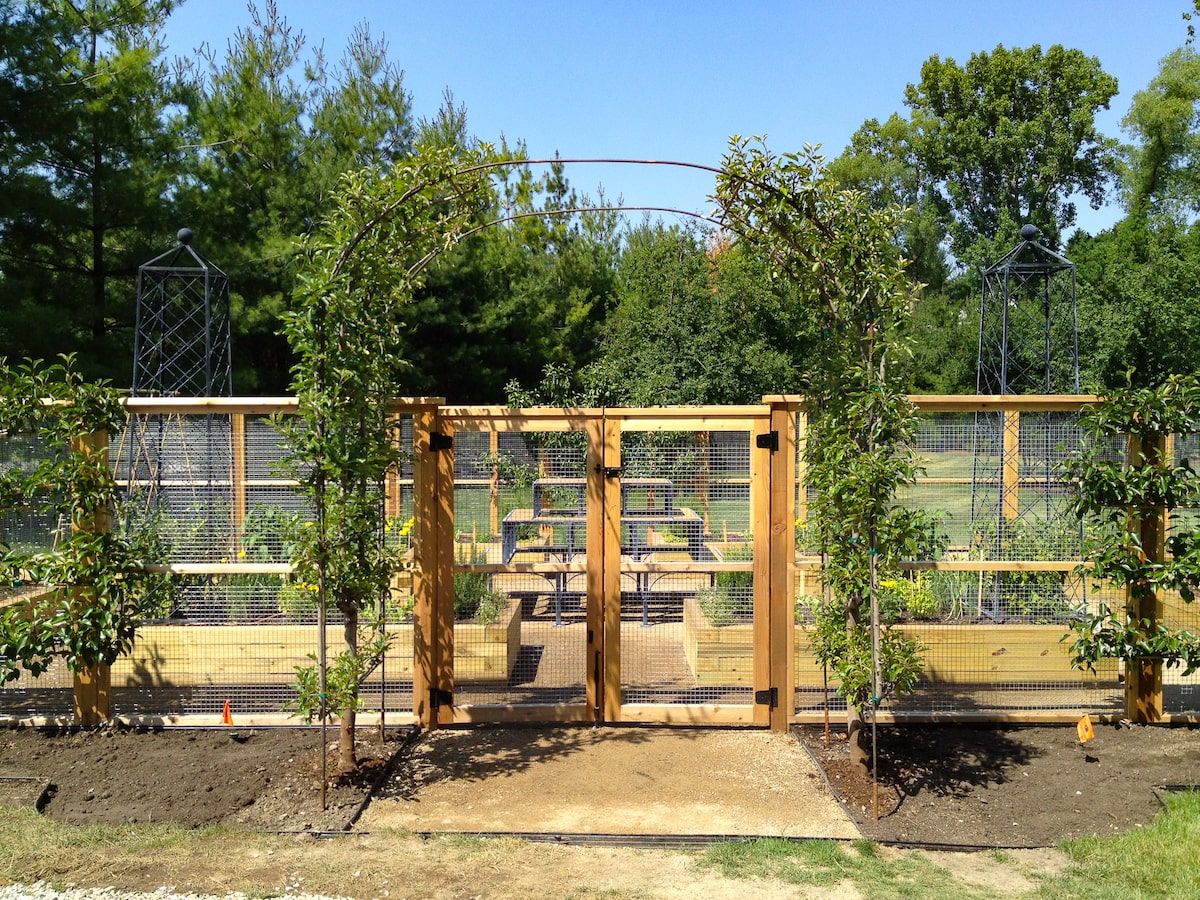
{"x": 609, "y": 781}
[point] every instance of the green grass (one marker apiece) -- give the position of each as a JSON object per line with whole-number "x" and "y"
{"x": 824, "y": 864}
{"x": 1158, "y": 860}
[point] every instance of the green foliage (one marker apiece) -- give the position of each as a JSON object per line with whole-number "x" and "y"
{"x": 96, "y": 589}
{"x": 731, "y": 597}
{"x": 344, "y": 673}
{"x": 1160, "y": 177}
{"x": 913, "y": 597}
{"x": 842, "y": 256}
{"x": 361, "y": 269}
{"x": 91, "y": 149}
{"x": 1035, "y": 595}
{"x": 847, "y": 652}
{"x": 1116, "y": 499}
{"x": 1010, "y": 138}
{"x": 697, "y": 323}
{"x": 474, "y": 599}
{"x": 271, "y": 145}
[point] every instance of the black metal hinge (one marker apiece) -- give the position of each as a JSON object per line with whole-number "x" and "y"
{"x": 769, "y": 697}
{"x": 439, "y": 698}
{"x": 768, "y": 441}
{"x": 439, "y": 441}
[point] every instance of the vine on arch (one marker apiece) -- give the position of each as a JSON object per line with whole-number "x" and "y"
{"x": 843, "y": 256}
{"x": 362, "y": 266}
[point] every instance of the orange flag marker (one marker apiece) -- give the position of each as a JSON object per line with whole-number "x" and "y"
{"x": 225, "y": 716}
{"x": 1084, "y": 727}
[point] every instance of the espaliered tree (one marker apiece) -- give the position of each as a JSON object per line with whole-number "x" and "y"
{"x": 362, "y": 266}
{"x": 842, "y": 256}
{"x": 90, "y": 588}
{"x": 1134, "y": 540}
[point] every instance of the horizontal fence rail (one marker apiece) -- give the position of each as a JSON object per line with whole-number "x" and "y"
{"x": 210, "y": 495}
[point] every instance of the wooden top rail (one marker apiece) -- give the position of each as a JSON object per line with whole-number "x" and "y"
{"x": 184, "y": 406}
{"x": 974, "y": 402}
{"x": 571, "y": 418}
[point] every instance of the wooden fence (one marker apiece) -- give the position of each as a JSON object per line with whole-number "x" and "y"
{"x": 646, "y": 565}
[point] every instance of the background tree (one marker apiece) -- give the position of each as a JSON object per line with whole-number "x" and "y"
{"x": 1138, "y": 299}
{"x": 276, "y": 126}
{"x": 697, "y": 322}
{"x": 1161, "y": 173}
{"x": 1008, "y": 139}
{"x": 90, "y": 153}
{"x": 527, "y": 293}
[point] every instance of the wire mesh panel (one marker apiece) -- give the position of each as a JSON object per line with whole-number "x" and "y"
{"x": 1181, "y": 693}
{"x": 210, "y": 497}
{"x": 993, "y": 590}
{"x": 520, "y": 628}
{"x": 687, "y": 550}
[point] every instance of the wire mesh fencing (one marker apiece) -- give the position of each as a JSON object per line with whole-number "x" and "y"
{"x": 212, "y": 500}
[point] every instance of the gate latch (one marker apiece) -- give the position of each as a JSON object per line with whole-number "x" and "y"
{"x": 610, "y": 471}
{"x": 439, "y": 441}
{"x": 439, "y": 698}
{"x": 769, "y": 697}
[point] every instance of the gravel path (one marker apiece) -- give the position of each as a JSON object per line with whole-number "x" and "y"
{"x": 43, "y": 891}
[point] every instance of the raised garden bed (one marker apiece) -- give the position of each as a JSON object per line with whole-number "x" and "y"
{"x": 188, "y": 655}
{"x": 955, "y": 653}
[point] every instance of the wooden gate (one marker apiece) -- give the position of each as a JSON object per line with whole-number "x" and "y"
{"x": 607, "y": 565}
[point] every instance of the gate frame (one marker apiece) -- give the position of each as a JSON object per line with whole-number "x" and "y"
{"x": 771, "y": 427}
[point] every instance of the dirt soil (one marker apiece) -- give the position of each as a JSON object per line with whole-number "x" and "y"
{"x": 951, "y": 785}
{"x": 1009, "y": 786}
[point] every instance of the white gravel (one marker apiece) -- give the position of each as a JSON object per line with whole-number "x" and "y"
{"x": 42, "y": 891}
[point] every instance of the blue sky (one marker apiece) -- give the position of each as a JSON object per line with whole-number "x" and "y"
{"x": 661, "y": 79}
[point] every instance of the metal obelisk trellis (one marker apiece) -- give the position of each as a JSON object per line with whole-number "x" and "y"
{"x": 1028, "y": 344}
{"x": 179, "y": 466}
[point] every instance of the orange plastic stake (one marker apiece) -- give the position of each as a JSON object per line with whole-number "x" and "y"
{"x": 1085, "y": 729}
{"x": 226, "y": 717}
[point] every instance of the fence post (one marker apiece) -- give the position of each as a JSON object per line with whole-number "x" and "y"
{"x": 1143, "y": 677}
{"x": 1010, "y": 487}
{"x": 237, "y": 477}
{"x": 425, "y": 570}
{"x": 92, "y": 685}
{"x": 782, "y": 559}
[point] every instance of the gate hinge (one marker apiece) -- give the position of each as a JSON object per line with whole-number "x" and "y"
{"x": 439, "y": 441}
{"x": 769, "y": 697}
{"x": 439, "y": 698}
{"x": 768, "y": 441}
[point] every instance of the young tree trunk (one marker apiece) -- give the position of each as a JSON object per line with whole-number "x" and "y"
{"x": 347, "y": 760}
{"x": 856, "y": 732}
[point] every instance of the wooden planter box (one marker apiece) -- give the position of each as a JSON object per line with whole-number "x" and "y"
{"x": 954, "y": 654}
{"x": 189, "y": 655}
{"x": 724, "y": 655}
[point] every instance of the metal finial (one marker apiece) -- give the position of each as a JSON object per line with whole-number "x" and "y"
{"x": 185, "y": 236}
